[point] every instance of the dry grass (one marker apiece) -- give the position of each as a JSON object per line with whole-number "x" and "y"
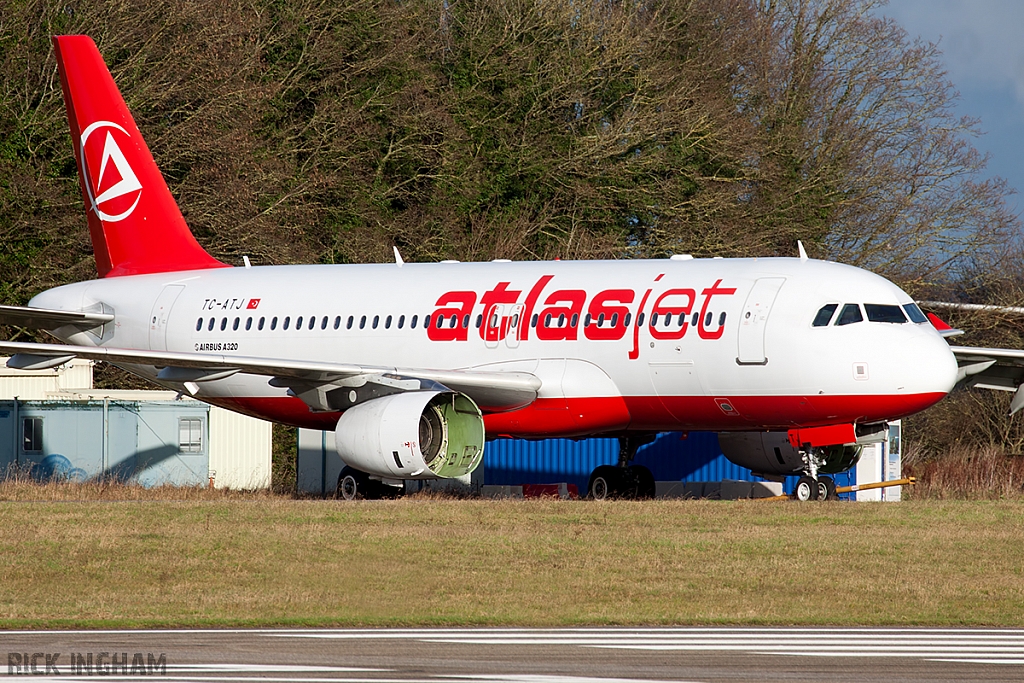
{"x": 236, "y": 559}
{"x": 966, "y": 473}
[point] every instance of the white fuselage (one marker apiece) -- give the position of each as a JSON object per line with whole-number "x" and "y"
{"x": 746, "y": 356}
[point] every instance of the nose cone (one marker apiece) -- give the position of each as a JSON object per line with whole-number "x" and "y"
{"x": 931, "y": 371}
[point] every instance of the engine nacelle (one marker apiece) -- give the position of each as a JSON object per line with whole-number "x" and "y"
{"x": 771, "y": 453}
{"x": 413, "y": 435}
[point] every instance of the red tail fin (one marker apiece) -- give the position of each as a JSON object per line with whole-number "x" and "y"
{"x": 135, "y": 224}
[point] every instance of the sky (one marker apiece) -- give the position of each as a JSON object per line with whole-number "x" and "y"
{"x": 983, "y": 49}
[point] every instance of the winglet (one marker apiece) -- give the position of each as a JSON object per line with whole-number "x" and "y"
{"x": 398, "y": 257}
{"x": 800, "y": 248}
{"x": 943, "y": 329}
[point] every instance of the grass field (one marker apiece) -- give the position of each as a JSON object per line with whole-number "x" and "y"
{"x": 213, "y": 559}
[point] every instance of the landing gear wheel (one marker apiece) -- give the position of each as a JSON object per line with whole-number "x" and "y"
{"x": 806, "y": 489}
{"x": 353, "y": 484}
{"x": 605, "y": 483}
{"x": 645, "y": 487}
{"x": 826, "y": 488}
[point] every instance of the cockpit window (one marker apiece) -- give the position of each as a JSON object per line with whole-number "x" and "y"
{"x": 880, "y": 313}
{"x": 915, "y": 314}
{"x": 824, "y": 315}
{"x": 849, "y": 315}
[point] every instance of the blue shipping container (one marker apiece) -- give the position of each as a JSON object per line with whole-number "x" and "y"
{"x": 673, "y": 456}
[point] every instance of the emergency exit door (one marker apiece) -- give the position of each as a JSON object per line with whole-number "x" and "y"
{"x": 754, "y": 320}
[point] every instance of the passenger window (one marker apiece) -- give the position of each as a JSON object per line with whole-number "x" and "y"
{"x": 387, "y": 323}
{"x": 600, "y": 320}
{"x": 348, "y": 325}
{"x": 640, "y": 319}
{"x": 587, "y": 320}
{"x": 337, "y": 322}
{"x": 376, "y": 321}
{"x": 439, "y": 321}
{"x": 849, "y": 315}
{"x": 323, "y": 323}
{"x": 824, "y": 315}
{"x": 362, "y": 322}
{"x": 547, "y": 320}
{"x": 234, "y": 325}
{"x": 574, "y": 319}
{"x": 615, "y": 320}
{"x": 259, "y": 326}
{"x": 696, "y": 317}
{"x": 223, "y": 324}
{"x": 287, "y": 321}
{"x": 426, "y": 321}
{"x": 880, "y": 313}
{"x": 915, "y": 313}
{"x": 199, "y": 324}
{"x": 533, "y": 323}
{"x": 298, "y": 323}
{"x": 721, "y": 319}
{"x": 273, "y": 323}
{"x": 707, "y": 319}
{"x": 248, "y": 324}
{"x": 479, "y": 321}
{"x": 668, "y": 319}
{"x": 465, "y": 321}
{"x": 401, "y": 321}
{"x": 209, "y": 328}
{"x": 625, "y": 321}
{"x": 412, "y": 323}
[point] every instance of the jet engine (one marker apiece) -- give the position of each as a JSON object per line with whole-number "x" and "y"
{"x": 412, "y": 435}
{"x": 770, "y": 453}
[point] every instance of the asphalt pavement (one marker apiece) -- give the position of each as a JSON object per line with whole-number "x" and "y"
{"x": 513, "y": 655}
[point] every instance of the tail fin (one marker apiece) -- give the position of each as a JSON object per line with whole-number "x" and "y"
{"x": 134, "y": 222}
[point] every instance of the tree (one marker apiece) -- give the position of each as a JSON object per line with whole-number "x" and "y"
{"x": 860, "y": 152}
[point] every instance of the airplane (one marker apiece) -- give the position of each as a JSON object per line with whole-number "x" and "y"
{"x": 415, "y": 365}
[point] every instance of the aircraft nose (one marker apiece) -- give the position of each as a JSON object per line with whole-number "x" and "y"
{"x": 935, "y": 366}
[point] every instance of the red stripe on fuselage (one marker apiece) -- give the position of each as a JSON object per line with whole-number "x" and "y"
{"x": 573, "y": 417}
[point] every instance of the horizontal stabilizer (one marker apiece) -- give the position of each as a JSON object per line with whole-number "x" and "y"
{"x": 45, "y": 319}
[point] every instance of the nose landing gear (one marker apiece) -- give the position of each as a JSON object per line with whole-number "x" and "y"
{"x": 810, "y": 486}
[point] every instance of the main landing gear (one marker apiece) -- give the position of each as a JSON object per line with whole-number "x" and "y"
{"x": 810, "y": 486}
{"x": 354, "y": 484}
{"x": 623, "y": 480}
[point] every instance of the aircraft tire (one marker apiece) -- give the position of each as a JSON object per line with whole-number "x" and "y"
{"x": 826, "y": 488}
{"x": 353, "y": 484}
{"x": 644, "y": 478}
{"x": 806, "y": 489}
{"x": 605, "y": 483}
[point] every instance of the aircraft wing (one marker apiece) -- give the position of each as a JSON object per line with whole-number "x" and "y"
{"x": 45, "y": 319}
{"x": 999, "y": 369}
{"x": 323, "y": 386}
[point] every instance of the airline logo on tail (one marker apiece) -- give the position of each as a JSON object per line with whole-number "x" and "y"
{"x": 116, "y": 188}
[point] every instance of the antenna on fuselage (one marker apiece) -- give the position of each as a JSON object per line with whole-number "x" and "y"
{"x": 398, "y": 257}
{"x": 800, "y": 248}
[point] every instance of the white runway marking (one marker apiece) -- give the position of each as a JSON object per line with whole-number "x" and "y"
{"x": 973, "y": 646}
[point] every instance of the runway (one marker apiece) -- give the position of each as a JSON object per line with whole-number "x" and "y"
{"x": 512, "y": 655}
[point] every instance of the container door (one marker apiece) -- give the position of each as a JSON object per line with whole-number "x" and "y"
{"x": 160, "y": 315}
{"x": 754, "y": 319}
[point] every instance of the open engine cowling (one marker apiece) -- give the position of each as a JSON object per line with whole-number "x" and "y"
{"x": 771, "y": 453}
{"x": 413, "y": 435}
